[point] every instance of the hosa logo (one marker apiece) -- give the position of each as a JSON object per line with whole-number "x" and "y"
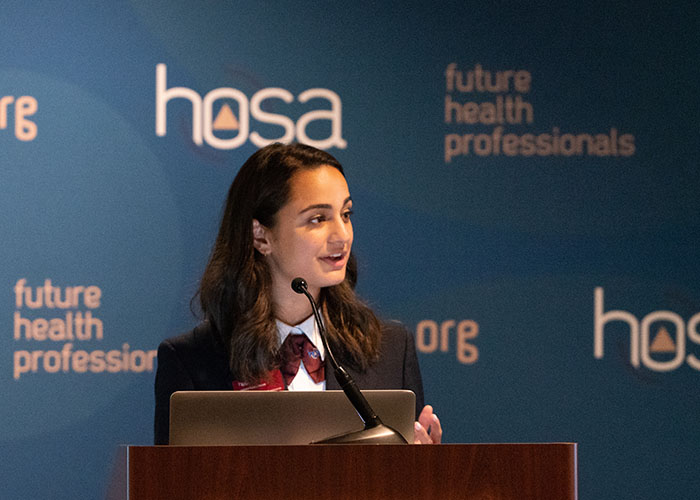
{"x": 24, "y": 106}
{"x": 250, "y": 112}
{"x": 651, "y": 341}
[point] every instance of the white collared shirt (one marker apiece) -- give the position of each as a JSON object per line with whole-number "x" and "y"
{"x": 303, "y": 381}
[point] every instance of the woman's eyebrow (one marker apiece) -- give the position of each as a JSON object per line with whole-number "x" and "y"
{"x": 326, "y": 206}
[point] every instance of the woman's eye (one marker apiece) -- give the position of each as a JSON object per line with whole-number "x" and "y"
{"x": 347, "y": 214}
{"x": 317, "y": 219}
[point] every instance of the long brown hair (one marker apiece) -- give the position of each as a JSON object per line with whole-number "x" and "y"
{"x": 235, "y": 292}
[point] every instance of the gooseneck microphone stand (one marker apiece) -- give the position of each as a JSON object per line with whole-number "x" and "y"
{"x": 375, "y": 432}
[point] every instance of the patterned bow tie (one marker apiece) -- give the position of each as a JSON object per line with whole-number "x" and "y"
{"x": 297, "y": 349}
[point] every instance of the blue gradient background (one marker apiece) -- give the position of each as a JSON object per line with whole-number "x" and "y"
{"x": 516, "y": 244}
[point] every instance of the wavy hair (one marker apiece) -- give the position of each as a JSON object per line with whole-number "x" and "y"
{"x": 235, "y": 292}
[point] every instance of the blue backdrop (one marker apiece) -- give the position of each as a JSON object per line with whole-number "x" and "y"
{"x": 525, "y": 185}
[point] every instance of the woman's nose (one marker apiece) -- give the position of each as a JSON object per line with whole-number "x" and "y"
{"x": 341, "y": 230}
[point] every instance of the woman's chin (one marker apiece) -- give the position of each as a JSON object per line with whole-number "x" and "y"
{"x": 332, "y": 278}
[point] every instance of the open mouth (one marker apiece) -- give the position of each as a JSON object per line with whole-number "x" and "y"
{"x": 335, "y": 259}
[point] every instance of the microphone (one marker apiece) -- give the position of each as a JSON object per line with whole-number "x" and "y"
{"x": 375, "y": 432}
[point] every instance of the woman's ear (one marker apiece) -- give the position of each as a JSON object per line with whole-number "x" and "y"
{"x": 260, "y": 241}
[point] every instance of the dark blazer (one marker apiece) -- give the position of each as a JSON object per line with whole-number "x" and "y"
{"x": 196, "y": 361}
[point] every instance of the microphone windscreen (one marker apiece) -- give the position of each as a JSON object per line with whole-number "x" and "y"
{"x": 299, "y": 285}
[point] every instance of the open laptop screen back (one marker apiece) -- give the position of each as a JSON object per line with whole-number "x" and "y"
{"x": 284, "y": 417}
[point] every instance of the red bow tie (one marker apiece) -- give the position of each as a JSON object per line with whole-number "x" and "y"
{"x": 297, "y": 349}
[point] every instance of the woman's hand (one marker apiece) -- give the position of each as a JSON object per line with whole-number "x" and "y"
{"x": 427, "y": 429}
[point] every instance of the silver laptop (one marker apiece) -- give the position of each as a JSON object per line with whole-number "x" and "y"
{"x": 284, "y": 417}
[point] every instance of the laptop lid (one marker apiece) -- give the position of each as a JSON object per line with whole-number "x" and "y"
{"x": 279, "y": 417}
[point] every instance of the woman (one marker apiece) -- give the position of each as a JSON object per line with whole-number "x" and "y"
{"x": 288, "y": 214}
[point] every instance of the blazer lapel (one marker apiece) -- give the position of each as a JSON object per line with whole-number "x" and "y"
{"x": 331, "y": 382}
{"x": 364, "y": 380}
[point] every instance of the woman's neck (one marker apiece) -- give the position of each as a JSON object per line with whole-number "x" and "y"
{"x": 290, "y": 307}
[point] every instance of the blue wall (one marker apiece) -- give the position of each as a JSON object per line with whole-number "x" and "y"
{"x": 525, "y": 183}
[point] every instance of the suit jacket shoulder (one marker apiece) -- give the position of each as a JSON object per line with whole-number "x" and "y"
{"x": 194, "y": 361}
{"x": 396, "y": 368}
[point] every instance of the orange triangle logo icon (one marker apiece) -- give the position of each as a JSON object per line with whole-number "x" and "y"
{"x": 663, "y": 342}
{"x": 225, "y": 120}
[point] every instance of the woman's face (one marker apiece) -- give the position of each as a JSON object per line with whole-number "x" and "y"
{"x": 312, "y": 234}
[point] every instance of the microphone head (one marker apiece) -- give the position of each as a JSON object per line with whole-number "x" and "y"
{"x": 299, "y": 285}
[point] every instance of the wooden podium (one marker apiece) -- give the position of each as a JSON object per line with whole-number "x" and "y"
{"x": 475, "y": 471}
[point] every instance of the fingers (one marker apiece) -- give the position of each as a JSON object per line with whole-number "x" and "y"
{"x": 424, "y": 417}
{"x": 435, "y": 430}
{"x": 420, "y": 434}
{"x": 428, "y": 429}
